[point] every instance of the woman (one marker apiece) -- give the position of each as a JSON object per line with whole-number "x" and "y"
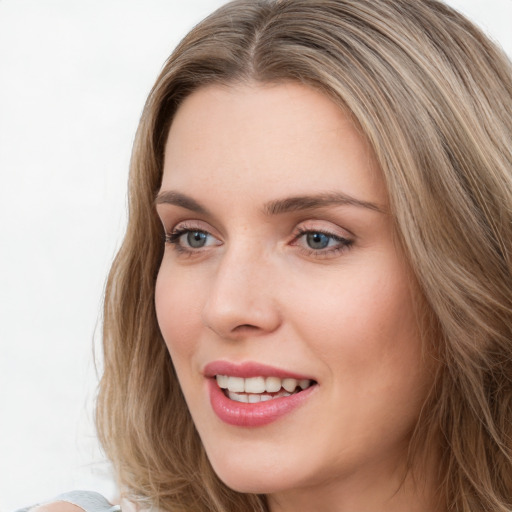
{"x": 324, "y": 320}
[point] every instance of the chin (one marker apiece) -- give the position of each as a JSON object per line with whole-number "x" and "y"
{"x": 253, "y": 483}
{"x": 254, "y": 479}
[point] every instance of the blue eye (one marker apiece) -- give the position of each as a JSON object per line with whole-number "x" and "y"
{"x": 319, "y": 243}
{"x": 190, "y": 239}
{"x": 196, "y": 239}
{"x": 317, "y": 240}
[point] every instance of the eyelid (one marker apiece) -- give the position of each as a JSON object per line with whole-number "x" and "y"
{"x": 172, "y": 237}
{"x": 343, "y": 242}
{"x": 191, "y": 225}
{"x": 324, "y": 226}
{"x": 340, "y": 238}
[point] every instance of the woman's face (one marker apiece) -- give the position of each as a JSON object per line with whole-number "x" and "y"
{"x": 281, "y": 272}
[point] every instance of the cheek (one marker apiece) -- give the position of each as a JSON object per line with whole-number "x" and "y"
{"x": 366, "y": 307}
{"x": 177, "y": 304}
{"x": 387, "y": 351}
{"x": 364, "y": 327}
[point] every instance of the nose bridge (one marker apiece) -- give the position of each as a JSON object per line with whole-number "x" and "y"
{"x": 240, "y": 294}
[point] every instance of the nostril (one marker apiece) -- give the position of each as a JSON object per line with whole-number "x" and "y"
{"x": 245, "y": 327}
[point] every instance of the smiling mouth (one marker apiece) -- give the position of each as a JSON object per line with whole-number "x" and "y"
{"x": 260, "y": 389}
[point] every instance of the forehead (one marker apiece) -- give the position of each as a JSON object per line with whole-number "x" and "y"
{"x": 254, "y": 136}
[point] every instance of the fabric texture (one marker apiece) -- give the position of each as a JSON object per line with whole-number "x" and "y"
{"x": 89, "y": 501}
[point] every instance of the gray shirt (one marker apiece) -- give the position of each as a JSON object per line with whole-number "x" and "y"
{"x": 88, "y": 500}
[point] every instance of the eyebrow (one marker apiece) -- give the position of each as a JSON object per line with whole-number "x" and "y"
{"x": 310, "y": 202}
{"x": 278, "y": 206}
{"x": 182, "y": 200}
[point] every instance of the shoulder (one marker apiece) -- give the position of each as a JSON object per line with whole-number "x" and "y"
{"x": 75, "y": 501}
{"x": 57, "y": 506}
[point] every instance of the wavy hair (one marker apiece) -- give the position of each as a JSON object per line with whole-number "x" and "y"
{"x": 433, "y": 96}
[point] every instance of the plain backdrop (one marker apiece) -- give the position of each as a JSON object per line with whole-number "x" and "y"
{"x": 74, "y": 75}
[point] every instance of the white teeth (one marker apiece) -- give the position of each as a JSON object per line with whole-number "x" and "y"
{"x": 255, "y": 385}
{"x": 237, "y": 397}
{"x": 304, "y": 383}
{"x": 290, "y": 384}
{"x": 258, "y": 385}
{"x": 250, "y": 398}
{"x": 272, "y": 384}
{"x": 254, "y": 399}
{"x": 236, "y": 384}
{"x": 222, "y": 381}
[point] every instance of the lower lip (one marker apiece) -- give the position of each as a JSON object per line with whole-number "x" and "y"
{"x": 243, "y": 414}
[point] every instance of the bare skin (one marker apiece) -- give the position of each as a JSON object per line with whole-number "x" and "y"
{"x": 57, "y": 506}
{"x": 316, "y": 287}
{"x": 253, "y": 272}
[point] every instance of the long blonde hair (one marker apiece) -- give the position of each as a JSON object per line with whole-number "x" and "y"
{"x": 433, "y": 96}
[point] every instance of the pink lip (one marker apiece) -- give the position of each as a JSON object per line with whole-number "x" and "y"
{"x": 243, "y": 414}
{"x": 249, "y": 369}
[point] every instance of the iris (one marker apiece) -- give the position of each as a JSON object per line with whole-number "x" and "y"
{"x": 317, "y": 240}
{"x": 196, "y": 239}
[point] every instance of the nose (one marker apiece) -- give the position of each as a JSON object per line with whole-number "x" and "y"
{"x": 242, "y": 301}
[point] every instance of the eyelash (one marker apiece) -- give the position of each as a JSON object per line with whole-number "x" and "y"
{"x": 173, "y": 238}
{"x": 343, "y": 244}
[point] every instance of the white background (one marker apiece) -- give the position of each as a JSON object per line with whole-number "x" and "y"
{"x": 74, "y": 75}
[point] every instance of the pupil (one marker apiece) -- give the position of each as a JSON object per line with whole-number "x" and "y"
{"x": 317, "y": 240}
{"x": 196, "y": 239}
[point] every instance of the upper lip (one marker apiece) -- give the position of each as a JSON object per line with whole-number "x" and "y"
{"x": 249, "y": 369}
